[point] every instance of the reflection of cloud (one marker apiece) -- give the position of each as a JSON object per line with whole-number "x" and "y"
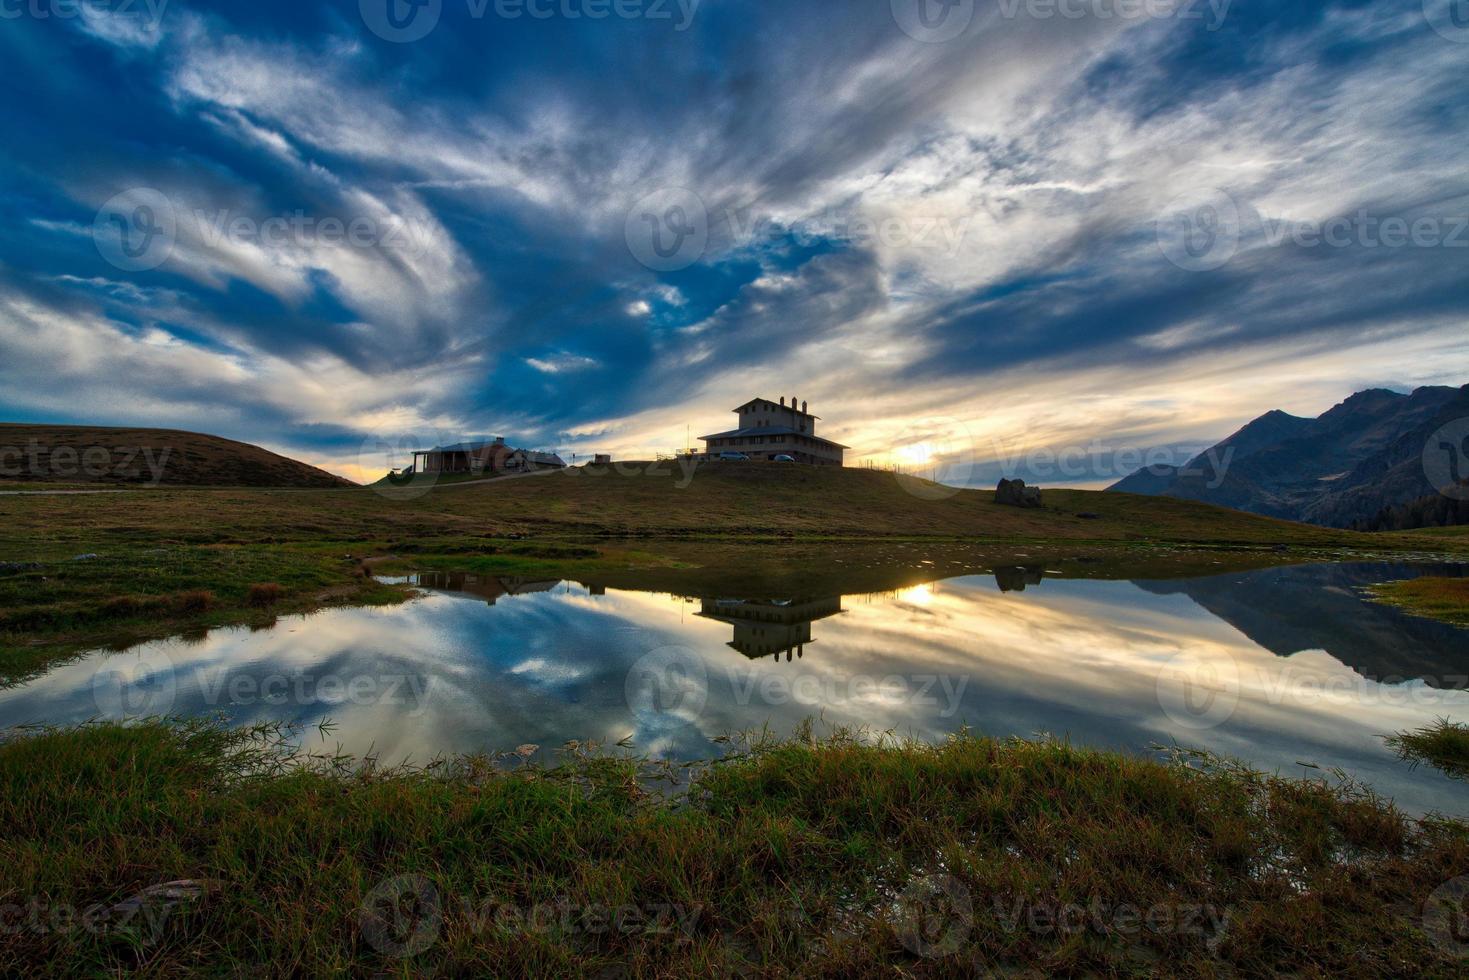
{"x": 1076, "y": 658}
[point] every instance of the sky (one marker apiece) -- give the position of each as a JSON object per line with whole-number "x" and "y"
{"x": 1052, "y": 238}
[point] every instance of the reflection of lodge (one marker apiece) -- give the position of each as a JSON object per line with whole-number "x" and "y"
{"x": 1016, "y": 579}
{"x": 490, "y": 587}
{"x": 770, "y": 627}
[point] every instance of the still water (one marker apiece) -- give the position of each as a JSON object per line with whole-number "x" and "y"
{"x": 1278, "y": 668}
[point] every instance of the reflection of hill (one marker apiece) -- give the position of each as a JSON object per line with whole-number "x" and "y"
{"x": 1321, "y": 607}
{"x": 491, "y": 587}
{"x": 770, "y": 627}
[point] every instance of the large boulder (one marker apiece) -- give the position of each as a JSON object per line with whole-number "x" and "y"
{"x": 1014, "y": 493}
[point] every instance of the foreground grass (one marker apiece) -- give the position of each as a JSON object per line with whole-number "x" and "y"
{"x": 837, "y": 858}
{"x": 1445, "y": 599}
{"x": 1443, "y": 745}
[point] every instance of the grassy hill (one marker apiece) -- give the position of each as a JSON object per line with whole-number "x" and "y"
{"x": 69, "y": 454}
{"x": 642, "y": 500}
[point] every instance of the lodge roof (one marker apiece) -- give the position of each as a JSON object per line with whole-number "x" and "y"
{"x": 767, "y": 401}
{"x": 772, "y": 430}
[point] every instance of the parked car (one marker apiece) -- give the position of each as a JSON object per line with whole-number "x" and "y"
{"x": 783, "y": 458}
{"x": 733, "y": 458}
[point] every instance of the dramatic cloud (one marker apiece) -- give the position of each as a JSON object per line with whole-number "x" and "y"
{"x": 1035, "y": 226}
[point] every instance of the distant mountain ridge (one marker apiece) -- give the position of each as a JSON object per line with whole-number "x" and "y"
{"x": 1344, "y": 469}
{"x": 155, "y": 457}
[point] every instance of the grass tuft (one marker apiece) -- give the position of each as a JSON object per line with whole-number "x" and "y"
{"x": 1443, "y": 745}
{"x": 838, "y": 856}
{"x": 264, "y": 594}
{"x": 1444, "y": 599}
{"x": 194, "y": 601}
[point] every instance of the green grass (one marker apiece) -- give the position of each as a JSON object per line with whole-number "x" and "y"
{"x": 126, "y": 594}
{"x": 1443, "y": 745}
{"x": 839, "y": 857}
{"x": 1445, "y": 599}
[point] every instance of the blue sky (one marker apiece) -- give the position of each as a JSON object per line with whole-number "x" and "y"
{"x": 985, "y": 228}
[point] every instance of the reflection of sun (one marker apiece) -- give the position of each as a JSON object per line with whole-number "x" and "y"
{"x": 918, "y": 454}
{"x": 919, "y": 595}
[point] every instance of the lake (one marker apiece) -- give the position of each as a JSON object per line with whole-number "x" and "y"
{"x": 1278, "y": 667}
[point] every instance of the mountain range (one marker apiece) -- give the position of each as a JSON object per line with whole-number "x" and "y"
{"x": 1361, "y": 464}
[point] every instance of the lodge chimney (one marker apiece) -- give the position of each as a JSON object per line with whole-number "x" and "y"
{"x": 803, "y": 409}
{"x": 782, "y": 401}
